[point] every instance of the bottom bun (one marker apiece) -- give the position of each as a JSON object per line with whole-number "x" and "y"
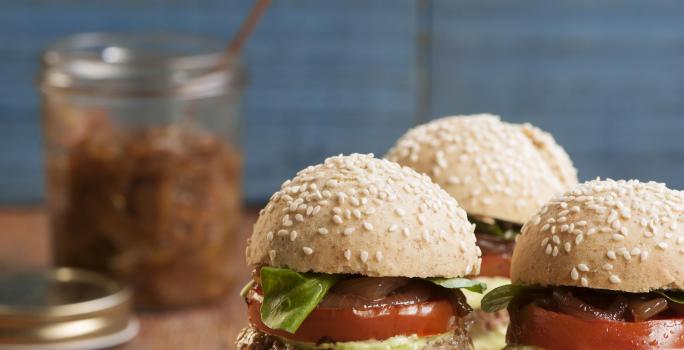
{"x": 488, "y": 330}
{"x": 253, "y": 339}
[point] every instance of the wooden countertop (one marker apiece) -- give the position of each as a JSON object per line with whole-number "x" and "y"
{"x": 24, "y": 242}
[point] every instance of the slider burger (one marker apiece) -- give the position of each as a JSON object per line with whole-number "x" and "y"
{"x": 501, "y": 174}
{"x": 360, "y": 253}
{"x": 600, "y": 267}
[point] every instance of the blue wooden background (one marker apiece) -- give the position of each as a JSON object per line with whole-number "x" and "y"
{"x": 606, "y": 77}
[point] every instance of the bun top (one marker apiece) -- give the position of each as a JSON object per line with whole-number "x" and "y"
{"x": 616, "y": 235}
{"x": 360, "y": 215}
{"x": 495, "y": 169}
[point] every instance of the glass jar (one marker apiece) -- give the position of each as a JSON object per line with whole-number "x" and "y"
{"x": 143, "y": 161}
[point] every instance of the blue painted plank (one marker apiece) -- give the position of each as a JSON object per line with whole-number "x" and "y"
{"x": 604, "y": 77}
{"x": 332, "y": 76}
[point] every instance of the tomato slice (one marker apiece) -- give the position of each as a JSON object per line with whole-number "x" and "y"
{"x": 496, "y": 266}
{"x": 533, "y": 325}
{"x": 427, "y": 318}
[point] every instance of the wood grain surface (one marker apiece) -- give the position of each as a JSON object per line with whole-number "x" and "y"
{"x": 24, "y": 243}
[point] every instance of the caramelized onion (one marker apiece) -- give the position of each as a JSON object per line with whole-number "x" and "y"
{"x": 367, "y": 292}
{"x": 459, "y": 302}
{"x": 493, "y": 245}
{"x": 569, "y": 304}
{"x": 643, "y": 310}
{"x": 677, "y": 308}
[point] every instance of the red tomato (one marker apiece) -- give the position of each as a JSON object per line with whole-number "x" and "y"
{"x": 423, "y": 319}
{"x": 496, "y": 266}
{"x": 533, "y": 325}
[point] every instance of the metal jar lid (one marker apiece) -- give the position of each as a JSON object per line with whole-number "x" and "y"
{"x": 63, "y": 308}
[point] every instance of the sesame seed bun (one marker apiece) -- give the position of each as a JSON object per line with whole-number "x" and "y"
{"x": 615, "y": 235}
{"x": 360, "y": 215}
{"x": 495, "y": 169}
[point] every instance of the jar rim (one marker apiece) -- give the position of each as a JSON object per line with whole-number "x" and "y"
{"x": 137, "y": 62}
{"x": 117, "y": 48}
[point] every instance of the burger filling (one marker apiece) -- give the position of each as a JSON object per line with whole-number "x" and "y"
{"x": 291, "y": 310}
{"x": 604, "y": 319}
{"x": 496, "y": 239}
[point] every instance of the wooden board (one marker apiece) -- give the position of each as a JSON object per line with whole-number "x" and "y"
{"x": 24, "y": 243}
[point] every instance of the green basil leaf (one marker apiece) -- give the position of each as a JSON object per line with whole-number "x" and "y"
{"x": 498, "y": 298}
{"x": 676, "y": 297}
{"x": 246, "y": 288}
{"x": 454, "y": 283}
{"x": 290, "y": 296}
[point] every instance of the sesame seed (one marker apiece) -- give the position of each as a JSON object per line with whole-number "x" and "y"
{"x": 545, "y": 227}
{"x": 364, "y": 256}
{"x": 307, "y": 250}
{"x": 368, "y": 226}
{"x": 348, "y": 231}
{"x": 421, "y": 219}
{"x": 378, "y": 255}
{"x": 549, "y": 249}
{"x": 269, "y": 236}
{"x": 568, "y": 247}
{"x": 393, "y": 228}
{"x": 406, "y": 231}
{"x": 323, "y": 231}
{"x": 293, "y": 235}
{"x": 579, "y": 238}
{"x": 618, "y": 237}
{"x": 555, "y": 251}
{"x": 615, "y": 279}
{"x": 399, "y": 211}
{"x": 283, "y": 233}
{"x": 608, "y": 266}
{"x": 611, "y": 255}
{"x": 583, "y": 267}
{"x": 544, "y": 242}
{"x": 644, "y": 255}
{"x": 337, "y": 219}
{"x": 555, "y": 239}
{"x": 347, "y": 254}
{"x": 625, "y": 213}
{"x": 584, "y": 281}
{"x": 357, "y": 213}
{"x": 574, "y": 274}
{"x": 299, "y": 217}
{"x": 662, "y": 245}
